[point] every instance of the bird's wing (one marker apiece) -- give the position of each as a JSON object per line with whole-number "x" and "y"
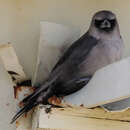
{"x": 72, "y": 86}
{"x": 71, "y": 79}
{"x": 78, "y": 50}
{"x": 75, "y": 55}
{"x": 68, "y": 64}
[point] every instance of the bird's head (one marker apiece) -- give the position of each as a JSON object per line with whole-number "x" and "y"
{"x": 104, "y": 22}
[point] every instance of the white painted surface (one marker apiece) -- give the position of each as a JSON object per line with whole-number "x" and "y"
{"x": 109, "y": 84}
{"x": 54, "y": 39}
{"x": 7, "y": 104}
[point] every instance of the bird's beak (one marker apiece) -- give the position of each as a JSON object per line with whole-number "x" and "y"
{"x": 105, "y": 24}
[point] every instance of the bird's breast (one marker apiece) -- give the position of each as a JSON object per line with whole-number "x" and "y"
{"x": 106, "y": 52}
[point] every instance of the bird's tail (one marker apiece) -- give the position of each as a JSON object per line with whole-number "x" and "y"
{"x": 40, "y": 95}
{"x": 26, "y": 108}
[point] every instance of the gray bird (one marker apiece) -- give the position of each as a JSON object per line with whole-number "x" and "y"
{"x": 100, "y": 46}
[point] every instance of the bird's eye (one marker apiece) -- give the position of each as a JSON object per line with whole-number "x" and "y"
{"x": 98, "y": 23}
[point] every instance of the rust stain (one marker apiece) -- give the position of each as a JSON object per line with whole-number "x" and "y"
{"x": 32, "y": 89}
{"x": 7, "y": 104}
{"x": 17, "y": 124}
{"x": 25, "y": 95}
{"x": 26, "y": 115}
{"x": 15, "y": 92}
{"x": 18, "y": 89}
{"x": 55, "y": 100}
{"x": 82, "y": 105}
{"x": 21, "y": 104}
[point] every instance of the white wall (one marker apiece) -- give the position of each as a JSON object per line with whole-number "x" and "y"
{"x": 19, "y": 20}
{"x": 7, "y": 20}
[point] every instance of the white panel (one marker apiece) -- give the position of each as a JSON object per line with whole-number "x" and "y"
{"x": 54, "y": 39}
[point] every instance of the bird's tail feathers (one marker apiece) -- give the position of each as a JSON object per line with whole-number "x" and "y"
{"x": 26, "y": 108}
{"x": 42, "y": 88}
{"x": 40, "y": 94}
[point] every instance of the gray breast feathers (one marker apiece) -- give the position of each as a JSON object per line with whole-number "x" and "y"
{"x": 106, "y": 52}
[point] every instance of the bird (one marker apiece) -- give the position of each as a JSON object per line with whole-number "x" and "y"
{"x": 100, "y": 46}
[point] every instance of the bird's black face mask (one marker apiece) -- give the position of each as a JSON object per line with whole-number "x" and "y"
{"x": 106, "y": 25}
